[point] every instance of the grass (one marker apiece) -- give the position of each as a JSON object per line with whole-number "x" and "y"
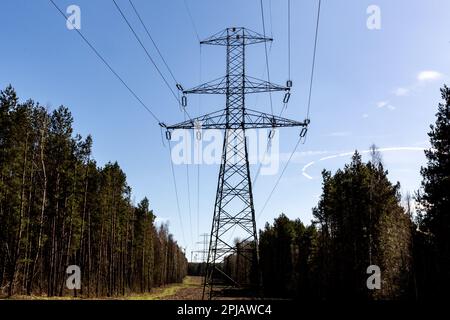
{"x": 156, "y": 294}
{"x": 167, "y": 291}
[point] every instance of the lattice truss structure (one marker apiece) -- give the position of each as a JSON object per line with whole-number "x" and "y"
{"x": 234, "y": 206}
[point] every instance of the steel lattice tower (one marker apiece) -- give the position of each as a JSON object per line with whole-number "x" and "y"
{"x": 234, "y": 207}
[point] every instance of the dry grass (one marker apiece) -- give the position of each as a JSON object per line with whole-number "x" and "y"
{"x": 172, "y": 291}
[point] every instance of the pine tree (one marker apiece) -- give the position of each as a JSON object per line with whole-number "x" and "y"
{"x": 435, "y": 196}
{"x": 362, "y": 223}
{"x": 57, "y": 208}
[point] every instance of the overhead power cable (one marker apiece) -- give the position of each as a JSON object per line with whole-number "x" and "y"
{"x": 153, "y": 42}
{"x": 289, "y": 39}
{"x": 313, "y": 61}
{"x": 188, "y": 180}
{"x": 176, "y": 191}
{"x": 110, "y": 68}
{"x": 265, "y": 50}
{"x": 150, "y": 58}
{"x": 279, "y": 178}
{"x": 191, "y": 19}
{"x": 146, "y": 51}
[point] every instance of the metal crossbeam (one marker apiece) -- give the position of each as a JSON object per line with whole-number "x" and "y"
{"x": 246, "y": 36}
{"x": 252, "y": 120}
{"x": 234, "y": 207}
{"x": 251, "y": 85}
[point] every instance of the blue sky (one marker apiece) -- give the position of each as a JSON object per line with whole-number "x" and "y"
{"x": 371, "y": 86}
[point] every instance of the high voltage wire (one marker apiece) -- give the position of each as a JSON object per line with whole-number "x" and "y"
{"x": 314, "y": 60}
{"x": 199, "y": 140}
{"x": 258, "y": 171}
{"x": 265, "y": 49}
{"x": 97, "y": 53}
{"x": 289, "y": 77}
{"x": 175, "y": 80}
{"x": 309, "y": 96}
{"x": 279, "y": 178}
{"x": 289, "y": 39}
{"x": 153, "y": 42}
{"x": 191, "y": 19}
{"x": 176, "y": 191}
{"x": 177, "y": 97}
{"x": 198, "y": 187}
{"x": 189, "y": 195}
{"x": 189, "y": 199}
{"x": 150, "y": 57}
{"x": 145, "y": 49}
{"x": 91, "y": 46}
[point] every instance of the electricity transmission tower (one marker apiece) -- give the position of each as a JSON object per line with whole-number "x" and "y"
{"x": 234, "y": 208}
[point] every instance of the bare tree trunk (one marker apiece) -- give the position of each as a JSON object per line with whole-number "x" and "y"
{"x": 28, "y": 248}
{"x": 44, "y": 200}
{"x": 21, "y": 210}
{"x": 83, "y": 219}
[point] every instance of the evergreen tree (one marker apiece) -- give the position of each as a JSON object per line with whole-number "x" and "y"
{"x": 362, "y": 223}
{"x": 57, "y": 208}
{"x": 434, "y": 198}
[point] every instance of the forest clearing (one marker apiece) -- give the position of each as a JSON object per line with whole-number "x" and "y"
{"x": 190, "y": 289}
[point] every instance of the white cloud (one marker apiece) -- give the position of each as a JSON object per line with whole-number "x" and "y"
{"x": 429, "y": 75}
{"x": 422, "y": 79}
{"x": 382, "y": 104}
{"x": 385, "y": 104}
{"x": 365, "y": 115}
{"x": 390, "y": 107}
{"x": 401, "y": 92}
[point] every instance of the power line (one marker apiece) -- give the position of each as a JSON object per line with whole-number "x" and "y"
{"x": 176, "y": 191}
{"x": 314, "y": 60}
{"x": 136, "y": 97}
{"x": 198, "y": 187}
{"x": 146, "y": 51}
{"x": 270, "y": 19}
{"x": 109, "y": 66}
{"x": 265, "y": 49}
{"x": 198, "y": 139}
{"x": 151, "y": 38}
{"x": 289, "y": 78}
{"x": 189, "y": 193}
{"x": 279, "y": 177}
{"x": 258, "y": 171}
{"x": 189, "y": 198}
{"x": 289, "y": 39}
{"x": 191, "y": 19}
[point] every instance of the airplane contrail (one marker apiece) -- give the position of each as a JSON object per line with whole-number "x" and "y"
{"x": 306, "y": 175}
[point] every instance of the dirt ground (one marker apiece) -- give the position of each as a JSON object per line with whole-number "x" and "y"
{"x": 190, "y": 289}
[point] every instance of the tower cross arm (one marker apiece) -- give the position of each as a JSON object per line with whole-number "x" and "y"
{"x": 214, "y": 120}
{"x": 259, "y": 120}
{"x": 252, "y": 120}
{"x": 235, "y": 35}
{"x": 251, "y": 85}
